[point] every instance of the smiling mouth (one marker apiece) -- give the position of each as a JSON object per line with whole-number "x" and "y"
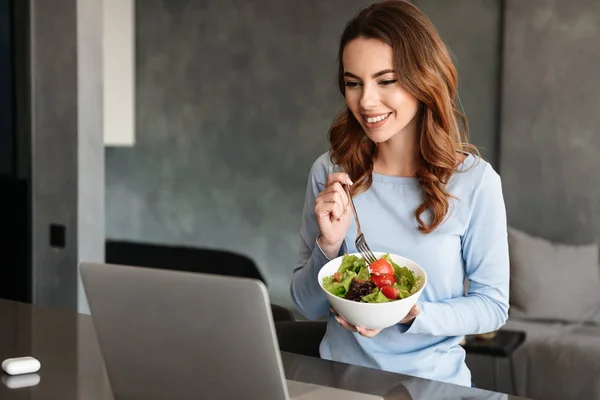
{"x": 376, "y": 119}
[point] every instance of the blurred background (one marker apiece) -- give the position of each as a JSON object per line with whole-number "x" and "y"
{"x": 177, "y": 131}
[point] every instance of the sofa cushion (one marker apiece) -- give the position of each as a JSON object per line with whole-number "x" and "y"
{"x": 552, "y": 281}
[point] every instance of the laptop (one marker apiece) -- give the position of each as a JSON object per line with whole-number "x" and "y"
{"x": 168, "y": 334}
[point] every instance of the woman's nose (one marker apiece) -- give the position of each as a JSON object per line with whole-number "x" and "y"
{"x": 369, "y": 98}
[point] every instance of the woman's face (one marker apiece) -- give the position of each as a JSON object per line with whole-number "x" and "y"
{"x": 373, "y": 94}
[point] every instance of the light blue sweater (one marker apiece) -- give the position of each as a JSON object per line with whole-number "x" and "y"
{"x": 471, "y": 243}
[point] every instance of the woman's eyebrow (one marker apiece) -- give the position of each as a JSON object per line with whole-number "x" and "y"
{"x": 375, "y": 75}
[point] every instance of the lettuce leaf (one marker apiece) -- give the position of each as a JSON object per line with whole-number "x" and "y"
{"x": 417, "y": 286}
{"x": 406, "y": 280}
{"x": 339, "y": 288}
{"x": 375, "y": 297}
{"x": 352, "y": 263}
{"x": 363, "y": 274}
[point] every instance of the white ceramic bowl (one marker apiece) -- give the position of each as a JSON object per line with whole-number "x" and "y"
{"x": 373, "y": 315}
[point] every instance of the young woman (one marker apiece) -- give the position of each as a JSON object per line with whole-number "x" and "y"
{"x": 420, "y": 191}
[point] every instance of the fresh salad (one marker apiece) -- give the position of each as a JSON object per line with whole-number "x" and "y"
{"x": 380, "y": 282}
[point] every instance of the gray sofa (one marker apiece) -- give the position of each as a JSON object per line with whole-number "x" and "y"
{"x": 555, "y": 299}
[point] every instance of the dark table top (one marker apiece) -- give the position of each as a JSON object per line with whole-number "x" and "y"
{"x": 72, "y": 365}
{"x": 503, "y": 344}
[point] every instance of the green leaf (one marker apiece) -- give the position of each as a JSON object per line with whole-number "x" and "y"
{"x": 375, "y": 297}
{"x": 417, "y": 286}
{"x": 351, "y": 263}
{"x": 363, "y": 274}
{"x": 339, "y": 288}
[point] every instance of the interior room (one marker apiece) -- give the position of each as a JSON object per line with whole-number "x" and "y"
{"x": 175, "y": 138}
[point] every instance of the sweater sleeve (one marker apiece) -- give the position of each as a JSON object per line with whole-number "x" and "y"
{"x": 485, "y": 252}
{"x": 305, "y": 291}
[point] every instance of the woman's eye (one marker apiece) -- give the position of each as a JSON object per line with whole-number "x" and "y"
{"x": 388, "y": 82}
{"x": 351, "y": 84}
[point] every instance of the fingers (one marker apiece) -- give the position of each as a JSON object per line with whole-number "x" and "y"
{"x": 339, "y": 177}
{"x": 336, "y": 187}
{"x": 333, "y": 200}
{"x": 345, "y": 324}
{"x": 327, "y": 208}
{"x": 368, "y": 333}
{"x": 414, "y": 311}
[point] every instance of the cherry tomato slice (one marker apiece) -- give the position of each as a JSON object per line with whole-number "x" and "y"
{"x": 383, "y": 280}
{"x": 381, "y": 267}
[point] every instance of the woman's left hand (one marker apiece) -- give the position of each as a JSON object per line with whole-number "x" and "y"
{"x": 369, "y": 333}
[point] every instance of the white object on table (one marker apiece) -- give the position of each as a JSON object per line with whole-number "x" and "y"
{"x": 21, "y": 365}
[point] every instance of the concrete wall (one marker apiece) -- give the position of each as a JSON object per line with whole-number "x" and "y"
{"x": 472, "y": 31}
{"x": 67, "y": 169}
{"x": 54, "y": 150}
{"x": 550, "y": 122}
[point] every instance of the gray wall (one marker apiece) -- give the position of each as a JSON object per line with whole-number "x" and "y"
{"x": 234, "y": 100}
{"x": 550, "y": 150}
{"x": 91, "y": 221}
{"x": 471, "y": 29}
{"x": 54, "y": 150}
{"x": 67, "y": 170}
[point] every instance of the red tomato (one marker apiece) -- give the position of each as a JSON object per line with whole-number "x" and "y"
{"x": 383, "y": 280}
{"x": 337, "y": 276}
{"x": 381, "y": 267}
{"x": 390, "y": 292}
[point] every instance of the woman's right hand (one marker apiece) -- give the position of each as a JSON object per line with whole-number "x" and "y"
{"x": 333, "y": 216}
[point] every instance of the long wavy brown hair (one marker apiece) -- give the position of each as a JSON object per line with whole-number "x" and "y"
{"x": 424, "y": 68}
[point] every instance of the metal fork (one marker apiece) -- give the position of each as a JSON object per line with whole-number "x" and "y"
{"x": 360, "y": 242}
